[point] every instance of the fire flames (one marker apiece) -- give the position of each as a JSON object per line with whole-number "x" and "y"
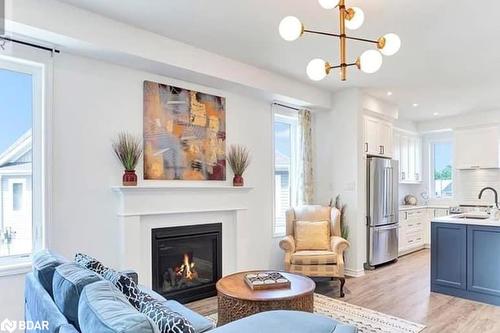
{"x": 186, "y": 270}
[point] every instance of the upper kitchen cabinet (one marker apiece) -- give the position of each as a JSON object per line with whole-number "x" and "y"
{"x": 378, "y": 137}
{"x": 477, "y": 148}
{"x": 408, "y": 150}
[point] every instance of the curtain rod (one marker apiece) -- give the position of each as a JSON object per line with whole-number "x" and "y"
{"x": 286, "y": 106}
{"x": 29, "y": 44}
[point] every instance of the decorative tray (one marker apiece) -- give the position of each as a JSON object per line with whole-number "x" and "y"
{"x": 266, "y": 280}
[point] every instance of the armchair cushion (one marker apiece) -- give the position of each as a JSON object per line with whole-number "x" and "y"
{"x": 320, "y": 257}
{"x": 312, "y": 235}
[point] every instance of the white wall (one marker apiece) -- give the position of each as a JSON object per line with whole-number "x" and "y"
{"x": 12, "y": 303}
{"x": 94, "y": 100}
{"x": 338, "y": 164}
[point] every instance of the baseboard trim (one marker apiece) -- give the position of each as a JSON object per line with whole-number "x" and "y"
{"x": 411, "y": 250}
{"x": 354, "y": 273}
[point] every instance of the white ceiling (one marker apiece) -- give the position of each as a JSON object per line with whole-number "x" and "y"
{"x": 449, "y": 62}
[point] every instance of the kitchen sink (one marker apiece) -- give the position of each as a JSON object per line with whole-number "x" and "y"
{"x": 473, "y": 216}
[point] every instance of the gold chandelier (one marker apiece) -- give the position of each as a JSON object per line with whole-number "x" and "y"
{"x": 370, "y": 61}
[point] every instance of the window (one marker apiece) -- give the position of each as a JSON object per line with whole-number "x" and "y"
{"x": 442, "y": 169}
{"x": 285, "y": 137}
{"x": 21, "y": 194}
{"x": 17, "y": 196}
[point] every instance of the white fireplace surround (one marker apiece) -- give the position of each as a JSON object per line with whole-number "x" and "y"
{"x": 143, "y": 208}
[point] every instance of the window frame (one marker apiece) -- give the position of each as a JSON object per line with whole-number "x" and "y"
{"x": 432, "y": 188}
{"x": 21, "y": 203}
{"x": 287, "y": 116}
{"x": 38, "y": 64}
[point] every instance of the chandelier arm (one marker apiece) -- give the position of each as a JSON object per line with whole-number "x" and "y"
{"x": 343, "y": 65}
{"x": 322, "y": 33}
{"x": 363, "y": 39}
{"x": 315, "y": 32}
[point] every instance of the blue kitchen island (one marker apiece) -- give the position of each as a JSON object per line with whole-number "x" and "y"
{"x": 465, "y": 257}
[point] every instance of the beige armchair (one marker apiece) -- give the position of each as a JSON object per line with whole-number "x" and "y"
{"x": 325, "y": 262}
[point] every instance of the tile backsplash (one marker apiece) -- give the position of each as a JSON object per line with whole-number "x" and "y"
{"x": 468, "y": 183}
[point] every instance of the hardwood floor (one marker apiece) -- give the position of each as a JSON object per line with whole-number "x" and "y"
{"x": 402, "y": 289}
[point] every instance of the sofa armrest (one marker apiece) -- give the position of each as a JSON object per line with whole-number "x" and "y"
{"x": 287, "y": 244}
{"x": 338, "y": 244}
{"x": 67, "y": 328}
{"x": 131, "y": 274}
{"x": 340, "y": 328}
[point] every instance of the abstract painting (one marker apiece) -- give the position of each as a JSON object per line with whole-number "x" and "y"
{"x": 184, "y": 134}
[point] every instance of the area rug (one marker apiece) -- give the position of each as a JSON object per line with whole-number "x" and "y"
{"x": 366, "y": 320}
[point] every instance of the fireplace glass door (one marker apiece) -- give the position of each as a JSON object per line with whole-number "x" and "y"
{"x": 186, "y": 261}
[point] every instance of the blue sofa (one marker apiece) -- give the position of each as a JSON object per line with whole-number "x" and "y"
{"x": 72, "y": 299}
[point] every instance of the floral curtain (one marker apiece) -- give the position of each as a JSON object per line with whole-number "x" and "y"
{"x": 305, "y": 185}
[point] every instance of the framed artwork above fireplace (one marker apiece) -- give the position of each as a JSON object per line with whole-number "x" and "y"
{"x": 184, "y": 134}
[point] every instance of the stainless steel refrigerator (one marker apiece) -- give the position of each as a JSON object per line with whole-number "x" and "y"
{"x": 382, "y": 208}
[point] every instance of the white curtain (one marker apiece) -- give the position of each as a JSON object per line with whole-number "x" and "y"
{"x": 305, "y": 182}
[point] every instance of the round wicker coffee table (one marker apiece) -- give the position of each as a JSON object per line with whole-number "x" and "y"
{"x": 237, "y": 300}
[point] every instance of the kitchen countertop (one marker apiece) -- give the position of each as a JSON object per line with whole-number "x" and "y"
{"x": 454, "y": 219}
{"x": 411, "y": 207}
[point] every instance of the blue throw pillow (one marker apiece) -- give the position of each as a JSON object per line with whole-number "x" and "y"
{"x": 44, "y": 265}
{"x": 68, "y": 283}
{"x": 104, "y": 309}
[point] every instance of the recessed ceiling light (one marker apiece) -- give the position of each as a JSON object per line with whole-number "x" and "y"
{"x": 389, "y": 93}
{"x": 415, "y": 105}
{"x": 435, "y": 114}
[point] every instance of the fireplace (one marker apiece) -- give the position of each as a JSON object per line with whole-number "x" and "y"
{"x": 187, "y": 261}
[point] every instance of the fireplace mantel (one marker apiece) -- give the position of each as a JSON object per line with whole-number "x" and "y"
{"x": 162, "y": 200}
{"x": 142, "y": 208}
{"x": 180, "y": 188}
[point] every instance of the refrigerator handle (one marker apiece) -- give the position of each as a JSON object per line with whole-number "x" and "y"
{"x": 388, "y": 206}
{"x": 391, "y": 187}
{"x": 385, "y": 196}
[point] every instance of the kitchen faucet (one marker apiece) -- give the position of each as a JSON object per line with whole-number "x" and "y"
{"x": 494, "y": 191}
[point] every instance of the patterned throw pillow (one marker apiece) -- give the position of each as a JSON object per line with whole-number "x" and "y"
{"x": 90, "y": 263}
{"x": 126, "y": 285}
{"x": 168, "y": 321}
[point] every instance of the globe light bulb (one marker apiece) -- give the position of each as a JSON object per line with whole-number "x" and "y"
{"x": 391, "y": 43}
{"x": 328, "y": 4}
{"x": 291, "y": 28}
{"x": 316, "y": 69}
{"x": 356, "y": 20}
{"x": 370, "y": 61}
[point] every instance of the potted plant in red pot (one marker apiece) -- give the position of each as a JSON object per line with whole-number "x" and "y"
{"x": 128, "y": 149}
{"x": 239, "y": 160}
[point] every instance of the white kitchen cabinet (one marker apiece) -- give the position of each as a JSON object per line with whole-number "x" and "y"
{"x": 409, "y": 148}
{"x": 378, "y": 137}
{"x": 396, "y": 151}
{"x": 439, "y": 212}
{"x": 418, "y": 159}
{"x": 412, "y": 227}
{"x": 477, "y": 148}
